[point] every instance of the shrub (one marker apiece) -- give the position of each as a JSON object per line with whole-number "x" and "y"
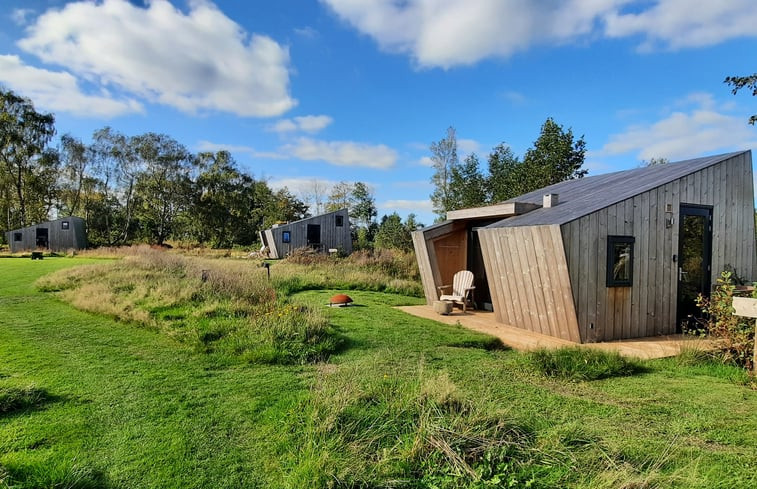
{"x": 581, "y": 363}
{"x": 735, "y": 334}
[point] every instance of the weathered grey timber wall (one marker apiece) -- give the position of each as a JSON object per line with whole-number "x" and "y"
{"x": 329, "y": 235}
{"x": 59, "y": 238}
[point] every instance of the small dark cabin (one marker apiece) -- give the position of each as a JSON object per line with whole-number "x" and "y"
{"x": 322, "y": 233}
{"x": 68, "y": 233}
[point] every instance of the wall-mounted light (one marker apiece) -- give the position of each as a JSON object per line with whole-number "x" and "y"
{"x": 669, "y": 219}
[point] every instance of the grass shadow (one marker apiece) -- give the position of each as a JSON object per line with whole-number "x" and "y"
{"x": 488, "y": 343}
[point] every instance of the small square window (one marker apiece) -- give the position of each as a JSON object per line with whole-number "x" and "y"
{"x": 339, "y": 221}
{"x": 286, "y": 237}
{"x": 18, "y": 237}
{"x": 64, "y": 225}
{"x": 620, "y": 261}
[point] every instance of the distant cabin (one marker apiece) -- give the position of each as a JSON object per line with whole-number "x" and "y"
{"x": 330, "y": 231}
{"x": 68, "y": 233}
{"x": 606, "y": 257}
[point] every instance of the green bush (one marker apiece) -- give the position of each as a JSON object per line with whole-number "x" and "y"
{"x": 581, "y": 363}
{"x": 734, "y": 334}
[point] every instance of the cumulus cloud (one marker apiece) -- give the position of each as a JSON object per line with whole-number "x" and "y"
{"x": 467, "y": 146}
{"x": 198, "y": 61}
{"x": 343, "y": 153}
{"x": 426, "y": 161}
{"x": 236, "y": 149}
{"x": 681, "y": 134}
{"x": 60, "y": 91}
{"x": 306, "y": 123}
{"x": 675, "y": 24}
{"x": 408, "y": 205}
{"x": 446, "y": 33}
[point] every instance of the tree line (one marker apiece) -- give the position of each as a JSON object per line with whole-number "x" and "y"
{"x": 555, "y": 156}
{"x": 150, "y": 188}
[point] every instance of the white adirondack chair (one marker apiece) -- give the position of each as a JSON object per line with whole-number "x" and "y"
{"x": 462, "y": 289}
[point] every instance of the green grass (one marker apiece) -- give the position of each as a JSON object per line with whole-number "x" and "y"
{"x": 581, "y": 363}
{"x": 406, "y": 403}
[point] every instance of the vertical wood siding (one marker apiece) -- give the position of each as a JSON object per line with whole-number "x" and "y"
{"x": 529, "y": 280}
{"x": 59, "y": 239}
{"x": 332, "y": 236}
{"x": 649, "y": 306}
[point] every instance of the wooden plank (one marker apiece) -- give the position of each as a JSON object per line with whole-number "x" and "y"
{"x": 653, "y": 298}
{"x": 520, "y": 268}
{"x": 643, "y": 281}
{"x": 583, "y": 279}
{"x": 530, "y": 281}
{"x": 541, "y": 282}
{"x": 745, "y": 306}
{"x": 603, "y": 323}
{"x": 666, "y": 256}
{"x": 564, "y": 284}
{"x": 521, "y": 312}
{"x": 630, "y": 222}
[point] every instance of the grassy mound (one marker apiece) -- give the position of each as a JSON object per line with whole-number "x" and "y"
{"x": 227, "y": 308}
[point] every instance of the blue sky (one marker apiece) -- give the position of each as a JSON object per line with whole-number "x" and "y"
{"x": 304, "y": 91}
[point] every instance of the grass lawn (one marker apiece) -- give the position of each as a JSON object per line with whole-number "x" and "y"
{"x": 86, "y": 401}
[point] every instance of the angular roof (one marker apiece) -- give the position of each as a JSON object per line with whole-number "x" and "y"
{"x": 583, "y": 196}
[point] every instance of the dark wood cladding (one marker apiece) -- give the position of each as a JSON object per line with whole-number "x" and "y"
{"x": 67, "y": 233}
{"x": 331, "y": 235}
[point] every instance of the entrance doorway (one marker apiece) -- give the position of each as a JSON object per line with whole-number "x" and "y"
{"x": 694, "y": 260}
{"x": 42, "y": 238}
{"x": 314, "y": 235}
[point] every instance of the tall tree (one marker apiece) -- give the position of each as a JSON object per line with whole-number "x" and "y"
{"x": 467, "y": 185}
{"x": 75, "y": 159}
{"x": 444, "y": 158}
{"x": 362, "y": 205}
{"x": 24, "y": 135}
{"x": 340, "y": 196}
{"x": 163, "y": 185}
{"x": 555, "y": 157}
{"x": 749, "y": 82}
{"x": 503, "y": 181}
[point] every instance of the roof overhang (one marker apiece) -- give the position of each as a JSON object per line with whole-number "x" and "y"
{"x": 503, "y": 210}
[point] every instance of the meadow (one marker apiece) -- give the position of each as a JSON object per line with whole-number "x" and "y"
{"x": 136, "y": 373}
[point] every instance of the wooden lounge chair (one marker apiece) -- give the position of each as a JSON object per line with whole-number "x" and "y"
{"x": 462, "y": 289}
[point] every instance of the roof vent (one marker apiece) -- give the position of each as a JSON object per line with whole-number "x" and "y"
{"x": 550, "y": 200}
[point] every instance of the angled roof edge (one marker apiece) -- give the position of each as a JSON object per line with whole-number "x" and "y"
{"x": 307, "y": 218}
{"x": 586, "y": 195}
{"x": 41, "y": 223}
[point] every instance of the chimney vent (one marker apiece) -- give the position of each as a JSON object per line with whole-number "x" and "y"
{"x": 550, "y": 200}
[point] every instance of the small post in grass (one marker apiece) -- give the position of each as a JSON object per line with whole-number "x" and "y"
{"x": 747, "y": 307}
{"x": 267, "y": 269}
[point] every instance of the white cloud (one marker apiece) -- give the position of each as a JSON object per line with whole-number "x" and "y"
{"x": 306, "y": 123}
{"x": 198, "y": 61}
{"x": 20, "y": 16}
{"x": 408, "y": 205}
{"x": 343, "y": 153}
{"x": 236, "y": 149}
{"x": 446, "y": 33}
{"x": 426, "y": 161}
{"x": 467, "y": 146}
{"x": 679, "y": 24}
{"x": 60, "y": 91}
{"x": 302, "y": 185}
{"x": 683, "y": 134}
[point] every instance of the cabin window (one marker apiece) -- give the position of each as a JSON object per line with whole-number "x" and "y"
{"x": 286, "y": 237}
{"x": 18, "y": 237}
{"x": 620, "y": 261}
{"x": 64, "y": 225}
{"x": 339, "y": 221}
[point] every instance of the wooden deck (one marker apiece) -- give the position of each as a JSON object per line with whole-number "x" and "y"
{"x": 521, "y": 339}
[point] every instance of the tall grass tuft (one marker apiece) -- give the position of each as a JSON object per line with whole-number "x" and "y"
{"x": 223, "y": 307}
{"x": 394, "y": 432}
{"x": 14, "y": 399}
{"x": 579, "y": 363}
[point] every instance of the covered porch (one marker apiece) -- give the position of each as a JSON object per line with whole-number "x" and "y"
{"x": 523, "y": 340}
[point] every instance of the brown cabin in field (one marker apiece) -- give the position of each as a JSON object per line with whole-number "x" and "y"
{"x": 606, "y": 257}
{"x": 324, "y": 232}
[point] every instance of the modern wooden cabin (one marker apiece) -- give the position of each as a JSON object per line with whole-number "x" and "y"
{"x": 330, "y": 231}
{"x": 606, "y": 257}
{"x": 68, "y": 233}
